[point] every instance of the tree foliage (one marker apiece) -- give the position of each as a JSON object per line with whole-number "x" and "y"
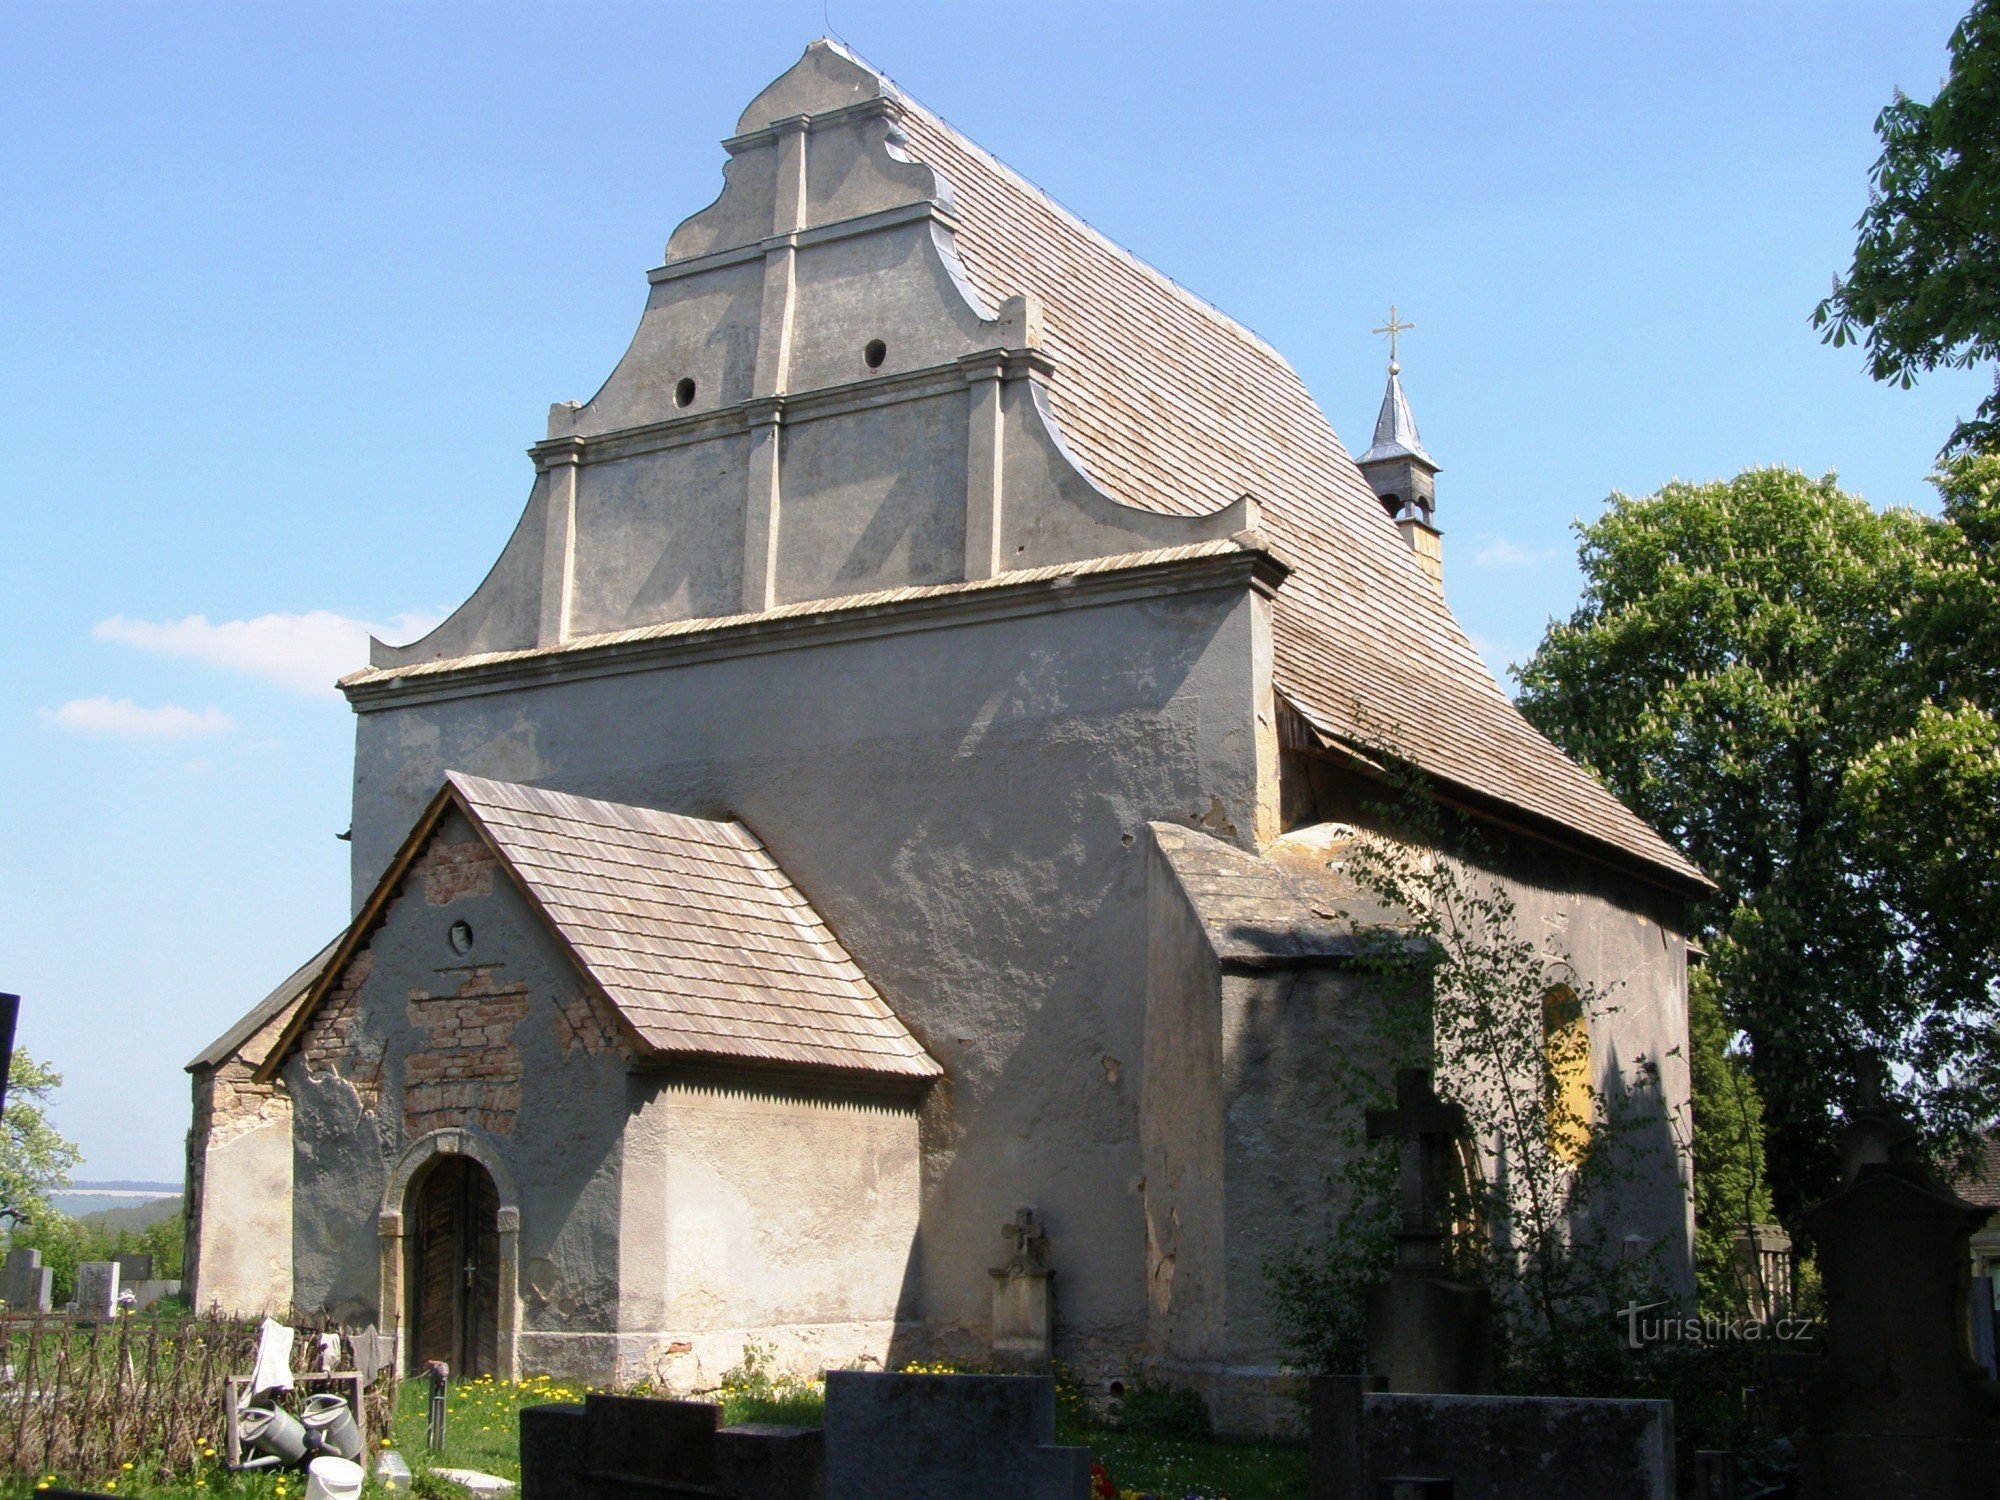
{"x": 1731, "y": 1188}
{"x": 1924, "y": 288}
{"x": 34, "y": 1159}
{"x": 1799, "y": 690}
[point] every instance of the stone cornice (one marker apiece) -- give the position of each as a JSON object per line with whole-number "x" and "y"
{"x": 881, "y": 107}
{"x": 799, "y": 406}
{"x": 925, "y": 211}
{"x": 1240, "y": 563}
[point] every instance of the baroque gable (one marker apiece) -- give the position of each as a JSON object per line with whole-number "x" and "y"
{"x": 817, "y": 404}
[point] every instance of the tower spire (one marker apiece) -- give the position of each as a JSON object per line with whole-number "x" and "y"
{"x": 1398, "y": 468}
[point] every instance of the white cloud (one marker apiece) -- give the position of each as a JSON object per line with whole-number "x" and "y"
{"x": 1502, "y": 553}
{"x": 302, "y": 652}
{"x": 121, "y": 716}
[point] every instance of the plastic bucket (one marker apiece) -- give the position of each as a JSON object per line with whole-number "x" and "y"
{"x": 333, "y": 1479}
{"x": 330, "y": 1425}
{"x": 275, "y": 1432}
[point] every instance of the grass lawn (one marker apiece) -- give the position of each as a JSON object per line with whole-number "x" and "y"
{"x": 483, "y": 1432}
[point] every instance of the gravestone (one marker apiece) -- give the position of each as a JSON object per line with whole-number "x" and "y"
{"x": 25, "y": 1283}
{"x": 641, "y": 1448}
{"x": 1760, "y": 1272}
{"x": 97, "y": 1290}
{"x": 134, "y": 1268}
{"x": 1898, "y": 1409}
{"x": 1023, "y": 1302}
{"x": 1426, "y": 1331}
{"x": 940, "y": 1437}
{"x": 1487, "y": 1447}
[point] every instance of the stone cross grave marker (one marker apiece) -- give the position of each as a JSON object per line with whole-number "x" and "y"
{"x": 1029, "y": 1242}
{"x": 97, "y": 1290}
{"x": 1023, "y": 1310}
{"x": 1426, "y": 1332}
{"x": 1428, "y": 1130}
{"x": 25, "y": 1283}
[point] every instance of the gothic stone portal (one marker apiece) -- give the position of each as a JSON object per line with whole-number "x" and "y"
{"x": 454, "y": 1275}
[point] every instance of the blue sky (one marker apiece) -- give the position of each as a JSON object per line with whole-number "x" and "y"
{"x": 286, "y": 290}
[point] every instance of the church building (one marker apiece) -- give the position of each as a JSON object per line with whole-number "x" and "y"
{"x": 889, "y": 780}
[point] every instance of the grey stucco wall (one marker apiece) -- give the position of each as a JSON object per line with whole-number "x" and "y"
{"x": 1247, "y": 1074}
{"x": 1293, "y": 1043}
{"x": 963, "y": 805}
{"x": 1182, "y": 1129}
{"x": 556, "y": 1131}
{"x": 784, "y": 1213}
{"x": 1625, "y": 937}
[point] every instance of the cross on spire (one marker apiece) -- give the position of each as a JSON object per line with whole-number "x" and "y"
{"x": 1394, "y": 328}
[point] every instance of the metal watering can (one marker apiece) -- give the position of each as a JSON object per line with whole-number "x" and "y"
{"x": 330, "y": 1427}
{"x": 274, "y": 1432}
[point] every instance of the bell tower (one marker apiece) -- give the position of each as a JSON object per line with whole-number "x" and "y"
{"x": 1398, "y": 469}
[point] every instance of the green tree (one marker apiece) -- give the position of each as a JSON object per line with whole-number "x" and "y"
{"x": 1731, "y": 1190}
{"x": 34, "y": 1159}
{"x": 1924, "y": 288}
{"x": 165, "y": 1240}
{"x": 1773, "y": 673}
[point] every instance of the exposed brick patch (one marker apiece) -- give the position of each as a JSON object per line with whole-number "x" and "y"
{"x": 581, "y": 1022}
{"x": 453, "y": 870}
{"x": 333, "y": 1042}
{"x": 236, "y": 1104}
{"x": 468, "y": 1068}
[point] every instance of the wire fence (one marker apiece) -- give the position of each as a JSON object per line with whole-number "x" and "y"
{"x": 82, "y": 1398}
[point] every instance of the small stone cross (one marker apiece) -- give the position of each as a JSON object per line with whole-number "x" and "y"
{"x": 1429, "y": 1130}
{"x": 1029, "y": 1242}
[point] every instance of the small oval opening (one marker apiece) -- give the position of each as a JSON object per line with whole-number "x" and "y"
{"x": 875, "y": 353}
{"x": 461, "y": 938}
{"x": 684, "y": 392}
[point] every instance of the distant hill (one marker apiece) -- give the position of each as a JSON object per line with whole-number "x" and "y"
{"x": 87, "y": 1198}
{"x": 134, "y": 1216}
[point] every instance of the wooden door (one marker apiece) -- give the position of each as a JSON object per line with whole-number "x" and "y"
{"x": 455, "y": 1281}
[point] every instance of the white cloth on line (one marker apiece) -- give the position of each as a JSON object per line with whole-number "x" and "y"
{"x": 273, "y": 1369}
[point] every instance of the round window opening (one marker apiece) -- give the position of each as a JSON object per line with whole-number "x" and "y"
{"x": 461, "y": 938}
{"x": 875, "y": 353}
{"x": 684, "y": 392}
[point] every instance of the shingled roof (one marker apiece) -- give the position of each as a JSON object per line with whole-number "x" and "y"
{"x": 1173, "y": 406}
{"x": 686, "y": 925}
{"x": 241, "y": 1037}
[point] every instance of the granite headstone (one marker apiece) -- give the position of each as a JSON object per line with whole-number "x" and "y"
{"x": 25, "y": 1283}
{"x": 643, "y": 1448}
{"x": 939, "y": 1437}
{"x": 1898, "y": 1409}
{"x": 97, "y": 1290}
